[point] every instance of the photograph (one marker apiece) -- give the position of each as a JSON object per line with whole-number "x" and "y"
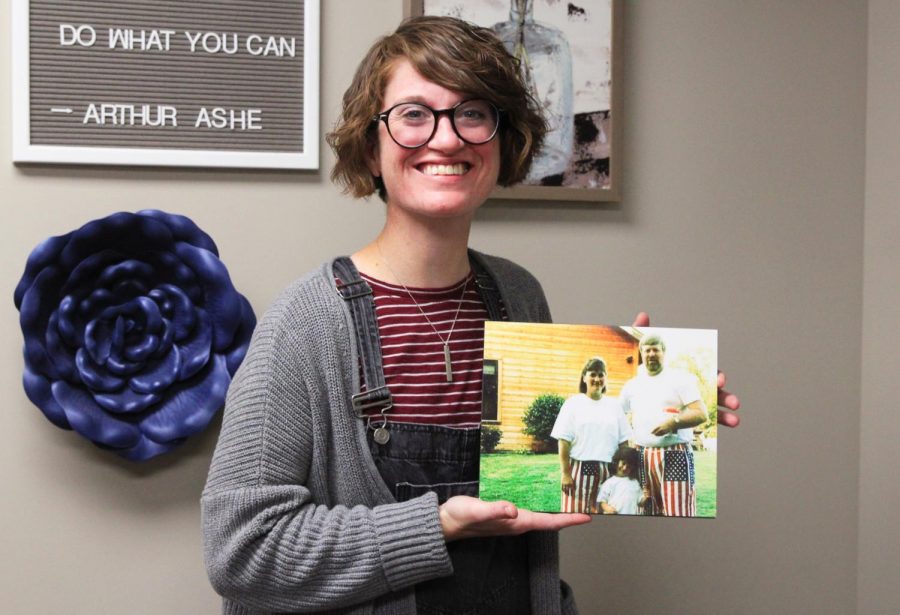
{"x": 600, "y": 419}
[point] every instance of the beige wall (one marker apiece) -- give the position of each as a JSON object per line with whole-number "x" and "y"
{"x": 879, "y": 489}
{"x": 744, "y": 188}
{"x": 743, "y": 211}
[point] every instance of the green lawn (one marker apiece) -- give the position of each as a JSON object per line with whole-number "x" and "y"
{"x": 532, "y": 481}
{"x": 705, "y": 462}
{"x": 528, "y": 481}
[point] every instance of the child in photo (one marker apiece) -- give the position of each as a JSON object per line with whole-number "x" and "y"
{"x": 621, "y": 494}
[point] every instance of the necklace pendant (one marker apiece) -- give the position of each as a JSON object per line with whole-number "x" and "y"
{"x": 447, "y": 367}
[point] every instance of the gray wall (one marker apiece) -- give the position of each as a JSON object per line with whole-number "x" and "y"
{"x": 746, "y": 202}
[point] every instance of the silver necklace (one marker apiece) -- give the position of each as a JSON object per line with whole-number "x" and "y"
{"x": 448, "y": 366}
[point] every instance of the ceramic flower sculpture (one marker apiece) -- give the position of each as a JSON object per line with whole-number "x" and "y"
{"x": 132, "y": 330}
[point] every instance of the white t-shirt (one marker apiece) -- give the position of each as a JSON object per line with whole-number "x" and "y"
{"x": 622, "y": 493}
{"x": 647, "y": 398}
{"x": 594, "y": 427}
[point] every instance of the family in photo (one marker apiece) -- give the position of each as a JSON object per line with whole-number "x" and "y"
{"x": 631, "y": 454}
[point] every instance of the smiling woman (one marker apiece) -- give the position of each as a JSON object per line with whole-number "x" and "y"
{"x": 346, "y": 471}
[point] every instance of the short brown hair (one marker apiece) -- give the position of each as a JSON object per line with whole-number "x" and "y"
{"x": 456, "y": 55}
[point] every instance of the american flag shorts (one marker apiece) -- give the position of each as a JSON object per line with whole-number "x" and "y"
{"x": 588, "y": 475}
{"x": 668, "y": 473}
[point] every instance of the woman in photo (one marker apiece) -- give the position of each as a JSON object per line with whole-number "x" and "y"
{"x": 589, "y": 428}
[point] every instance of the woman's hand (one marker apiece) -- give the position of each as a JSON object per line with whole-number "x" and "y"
{"x": 641, "y": 320}
{"x": 466, "y": 517}
{"x": 728, "y": 402}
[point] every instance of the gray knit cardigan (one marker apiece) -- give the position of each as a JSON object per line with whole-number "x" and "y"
{"x": 296, "y": 517}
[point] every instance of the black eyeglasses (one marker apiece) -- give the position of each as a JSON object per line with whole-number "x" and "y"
{"x": 412, "y": 125}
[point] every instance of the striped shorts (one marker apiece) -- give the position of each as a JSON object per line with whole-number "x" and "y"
{"x": 588, "y": 475}
{"x": 668, "y": 472}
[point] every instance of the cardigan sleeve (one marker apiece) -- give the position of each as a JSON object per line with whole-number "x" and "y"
{"x": 270, "y": 542}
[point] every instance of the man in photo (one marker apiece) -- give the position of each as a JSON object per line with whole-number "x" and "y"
{"x": 665, "y": 406}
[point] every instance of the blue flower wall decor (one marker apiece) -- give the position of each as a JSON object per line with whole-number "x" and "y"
{"x": 132, "y": 330}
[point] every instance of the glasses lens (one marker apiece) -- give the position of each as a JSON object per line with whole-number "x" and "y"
{"x": 476, "y": 121}
{"x": 411, "y": 124}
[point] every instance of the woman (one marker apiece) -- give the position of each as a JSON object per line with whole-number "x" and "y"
{"x": 344, "y": 423}
{"x": 341, "y": 427}
{"x": 589, "y": 428}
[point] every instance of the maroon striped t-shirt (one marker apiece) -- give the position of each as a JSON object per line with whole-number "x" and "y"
{"x": 413, "y": 354}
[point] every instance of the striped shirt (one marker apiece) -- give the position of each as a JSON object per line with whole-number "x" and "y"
{"x": 413, "y": 354}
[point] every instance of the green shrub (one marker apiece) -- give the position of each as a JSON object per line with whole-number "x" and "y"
{"x": 541, "y": 415}
{"x": 490, "y": 438}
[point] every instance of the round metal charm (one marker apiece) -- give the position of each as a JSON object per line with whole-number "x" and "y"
{"x": 381, "y": 435}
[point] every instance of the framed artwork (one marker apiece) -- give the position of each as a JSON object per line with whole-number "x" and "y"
{"x": 139, "y": 82}
{"x": 570, "y": 56}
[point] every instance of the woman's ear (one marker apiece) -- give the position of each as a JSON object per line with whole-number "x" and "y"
{"x": 373, "y": 159}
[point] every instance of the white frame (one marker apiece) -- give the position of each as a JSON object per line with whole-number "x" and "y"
{"x": 25, "y": 152}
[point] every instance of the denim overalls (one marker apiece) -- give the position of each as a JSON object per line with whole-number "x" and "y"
{"x": 490, "y": 575}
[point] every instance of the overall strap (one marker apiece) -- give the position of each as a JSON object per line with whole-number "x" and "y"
{"x": 358, "y": 295}
{"x": 487, "y": 288}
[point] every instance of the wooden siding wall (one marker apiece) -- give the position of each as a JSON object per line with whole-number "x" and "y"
{"x": 540, "y": 358}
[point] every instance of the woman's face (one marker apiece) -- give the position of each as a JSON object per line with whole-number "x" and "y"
{"x": 594, "y": 381}
{"x": 444, "y": 178}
